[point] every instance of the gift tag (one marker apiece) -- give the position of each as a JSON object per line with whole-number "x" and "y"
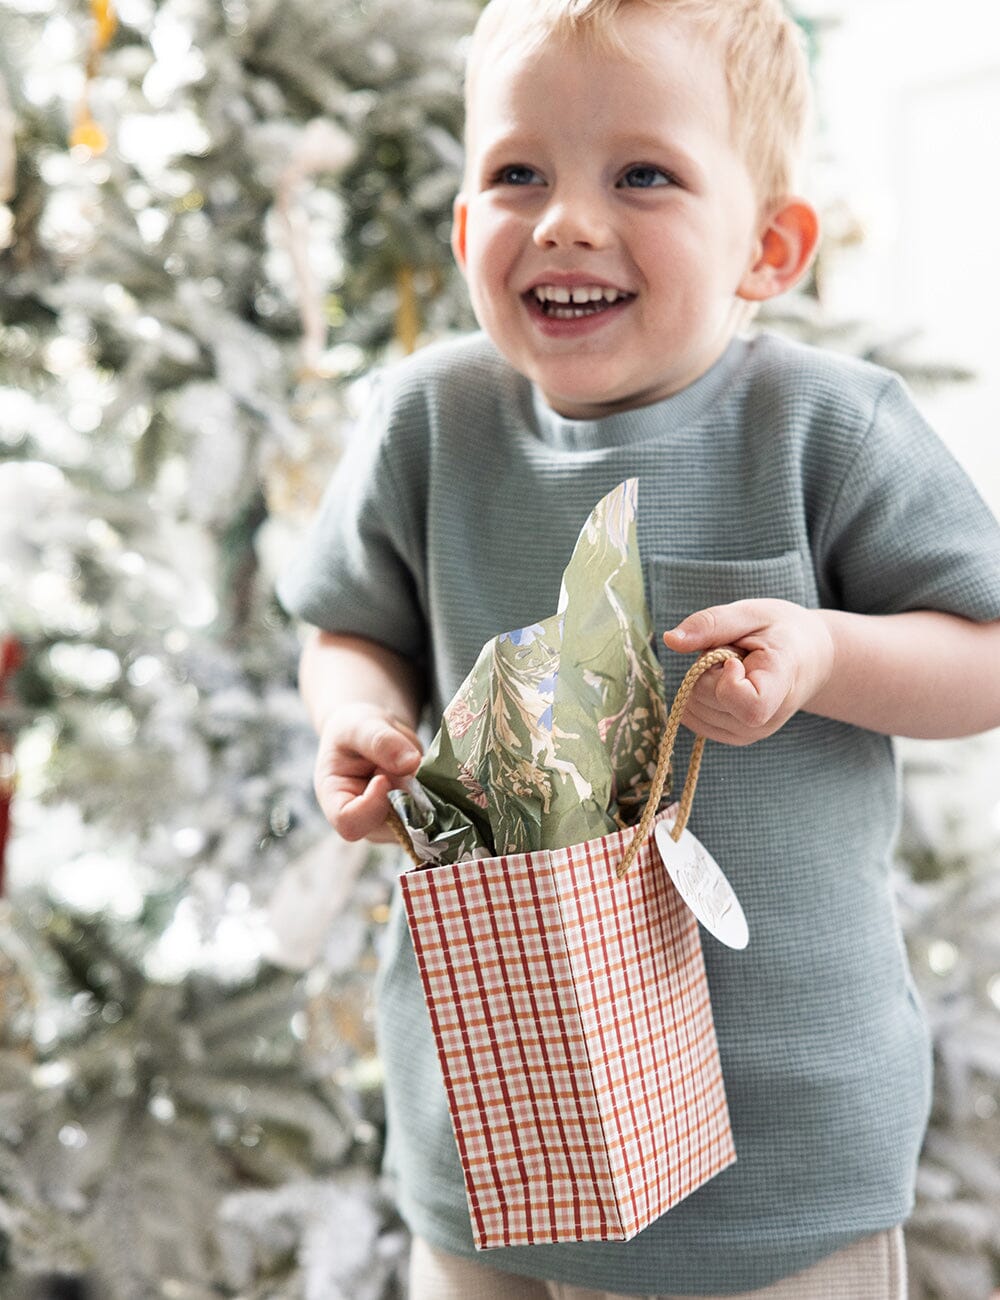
{"x": 702, "y": 885}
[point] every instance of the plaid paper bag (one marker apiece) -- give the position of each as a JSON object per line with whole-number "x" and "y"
{"x": 574, "y": 1029}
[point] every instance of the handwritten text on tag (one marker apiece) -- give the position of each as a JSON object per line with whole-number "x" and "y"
{"x": 702, "y": 885}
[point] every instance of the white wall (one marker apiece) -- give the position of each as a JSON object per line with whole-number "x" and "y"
{"x": 910, "y": 101}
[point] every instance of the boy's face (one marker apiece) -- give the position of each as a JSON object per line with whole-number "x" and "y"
{"x": 612, "y": 182}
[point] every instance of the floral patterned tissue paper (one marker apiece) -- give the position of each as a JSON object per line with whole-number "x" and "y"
{"x": 552, "y": 738}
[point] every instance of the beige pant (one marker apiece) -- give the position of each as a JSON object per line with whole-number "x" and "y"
{"x": 870, "y": 1269}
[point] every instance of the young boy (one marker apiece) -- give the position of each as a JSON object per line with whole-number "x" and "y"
{"x": 629, "y": 196}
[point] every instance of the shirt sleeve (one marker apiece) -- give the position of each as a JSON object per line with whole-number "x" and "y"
{"x": 359, "y": 570}
{"x": 907, "y": 529}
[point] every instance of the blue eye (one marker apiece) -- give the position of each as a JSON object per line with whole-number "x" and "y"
{"x": 645, "y": 177}
{"x": 518, "y": 174}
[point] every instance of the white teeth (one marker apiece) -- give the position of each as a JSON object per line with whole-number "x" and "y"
{"x": 580, "y": 294}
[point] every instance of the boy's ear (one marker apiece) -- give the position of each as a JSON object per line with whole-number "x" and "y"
{"x": 784, "y": 250}
{"x": 459, "y": 217}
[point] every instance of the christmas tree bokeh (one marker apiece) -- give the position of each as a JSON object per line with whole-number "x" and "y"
{"x": 214, "y": 219}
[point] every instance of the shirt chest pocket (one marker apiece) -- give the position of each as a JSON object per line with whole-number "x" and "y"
{"x": 679, "y": 587}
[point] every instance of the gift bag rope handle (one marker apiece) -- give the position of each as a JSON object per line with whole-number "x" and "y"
{"x": 666, "y": 752}
{"x": 398, "y": 828}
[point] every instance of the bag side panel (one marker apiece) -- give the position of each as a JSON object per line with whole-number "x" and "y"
{"x": 500, "y": 992}
{"x": 645, "y": 1011}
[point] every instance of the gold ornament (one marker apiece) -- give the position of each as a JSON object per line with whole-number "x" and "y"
{"x": 86, "y": 133}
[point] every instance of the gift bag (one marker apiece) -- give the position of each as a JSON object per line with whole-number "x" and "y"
{"x": 567, "y": 995}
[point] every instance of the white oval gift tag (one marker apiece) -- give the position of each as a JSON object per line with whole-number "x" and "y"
{"x": 703, "y": 886}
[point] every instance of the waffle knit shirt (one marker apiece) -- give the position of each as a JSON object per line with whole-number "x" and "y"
{"x": 783, "y": 472}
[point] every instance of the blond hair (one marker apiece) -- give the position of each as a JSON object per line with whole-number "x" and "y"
{"x": 762, "y": 46}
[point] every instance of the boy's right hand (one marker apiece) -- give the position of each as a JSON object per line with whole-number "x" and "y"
{"x": 364, "y": 751}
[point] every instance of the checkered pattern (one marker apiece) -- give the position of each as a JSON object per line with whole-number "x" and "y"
{"x": 574, "y": 1029}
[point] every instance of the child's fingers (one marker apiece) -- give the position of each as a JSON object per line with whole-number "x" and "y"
{"x": 754, "y": 696}
{"x": 759, "y": 693}
{"x": 363, "y": 752}
{"x": 731, "y": 704}
{"x": 704, "y": 719}
{"x": 390, "y": 749}
{"x": 356, "y": 814}
{"x": 383, "y": 742}
{"x": 718, "y": 625}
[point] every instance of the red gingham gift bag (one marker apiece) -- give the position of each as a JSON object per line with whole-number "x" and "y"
{"x": 567, "y": 995}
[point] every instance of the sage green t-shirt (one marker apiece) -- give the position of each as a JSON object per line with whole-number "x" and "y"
{"x": 782, "y": 472}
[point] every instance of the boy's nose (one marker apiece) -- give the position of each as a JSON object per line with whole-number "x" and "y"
{"x": 567, "y": 223}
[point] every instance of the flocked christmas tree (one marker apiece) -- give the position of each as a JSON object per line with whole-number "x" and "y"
{"x": 216, "y": 214}
{"x": 215, "y": 218}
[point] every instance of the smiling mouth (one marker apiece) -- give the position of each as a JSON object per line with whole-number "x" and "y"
{"x": 559, "y": 303}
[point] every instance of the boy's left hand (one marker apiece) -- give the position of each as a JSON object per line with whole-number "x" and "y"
{"x": 787, "y": 658}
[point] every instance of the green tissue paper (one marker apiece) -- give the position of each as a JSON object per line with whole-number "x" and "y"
{"x": 552, "y": 738}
